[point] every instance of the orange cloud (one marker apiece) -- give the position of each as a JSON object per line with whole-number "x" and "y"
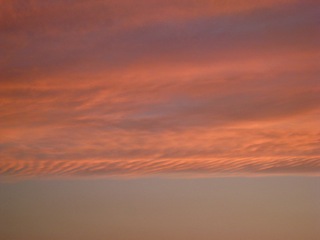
{"x": 176, "y": 167}
{"x": 121, "y": 88}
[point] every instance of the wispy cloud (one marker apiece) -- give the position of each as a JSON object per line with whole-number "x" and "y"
{"x": 148, "y": 87}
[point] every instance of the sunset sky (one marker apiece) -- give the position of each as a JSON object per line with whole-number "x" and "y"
{"x": 143, "y": 94}
{"x": 100, "y": 88}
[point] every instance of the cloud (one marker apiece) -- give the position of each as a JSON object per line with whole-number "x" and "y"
{"x": 212, "y": 167}
{"x": 159, "y": 87}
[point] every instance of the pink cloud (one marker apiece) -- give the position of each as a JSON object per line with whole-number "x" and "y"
{"x": 223, "y": 89}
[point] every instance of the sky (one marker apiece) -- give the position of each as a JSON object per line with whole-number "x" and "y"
{"x": 264, "y": 208}
{"x": 158, "y": 119}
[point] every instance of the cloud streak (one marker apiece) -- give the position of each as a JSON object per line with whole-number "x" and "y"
{"x": 99, "y": 88}
{"x": 177, "y": 167}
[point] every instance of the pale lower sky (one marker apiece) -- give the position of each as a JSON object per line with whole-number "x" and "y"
{"x": 265, "y": 208}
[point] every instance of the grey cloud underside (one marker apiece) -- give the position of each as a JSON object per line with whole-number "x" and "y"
{"x": 200, "y": 40}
